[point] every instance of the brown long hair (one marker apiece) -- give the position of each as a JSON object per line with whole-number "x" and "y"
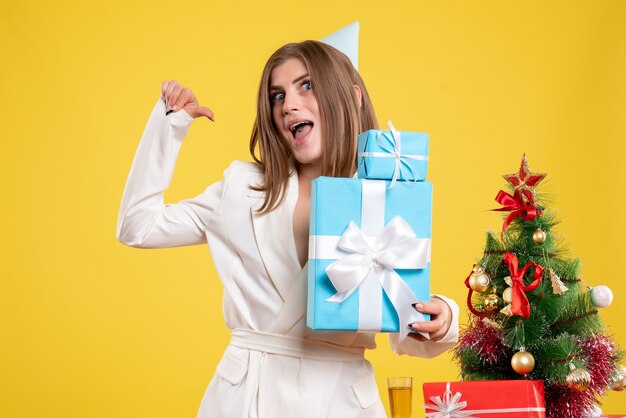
{"x": 342, "y": 118}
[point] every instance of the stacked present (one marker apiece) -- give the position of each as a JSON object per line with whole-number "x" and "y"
{"x": 503, "y": 398}
{"x": 369, "y": 248}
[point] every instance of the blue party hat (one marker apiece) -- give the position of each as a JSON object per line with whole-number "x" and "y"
{"x": 347, "y": 41}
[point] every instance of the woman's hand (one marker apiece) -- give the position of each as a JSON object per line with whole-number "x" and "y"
{"x": 440, "y": 320}
{"x": 178, "y": 97}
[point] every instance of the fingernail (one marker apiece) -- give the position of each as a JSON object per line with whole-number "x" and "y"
{"x": 413, "y": 326}
{"x": 418, "y": 305}
{"x": 211, "y": 118}
{"x": 174, "y": 107}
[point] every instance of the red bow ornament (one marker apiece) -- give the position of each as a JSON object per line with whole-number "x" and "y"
{"x": 517, "y": 207}
{"x": 520, "y": 305}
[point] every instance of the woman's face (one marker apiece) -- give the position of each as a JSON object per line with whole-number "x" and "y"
{"x": 295, "y": 111}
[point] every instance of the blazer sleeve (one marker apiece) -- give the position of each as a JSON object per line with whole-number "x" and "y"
{"x": 144, "y": 220}
{"x": 429, "y": 349}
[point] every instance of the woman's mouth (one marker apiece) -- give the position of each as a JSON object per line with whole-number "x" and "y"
{"x": 299, "y": 130}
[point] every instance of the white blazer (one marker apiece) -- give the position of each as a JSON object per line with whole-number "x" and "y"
{"x": 275, "y": 366}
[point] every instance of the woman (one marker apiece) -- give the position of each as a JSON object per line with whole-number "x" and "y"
{"x": 311, "y": 106}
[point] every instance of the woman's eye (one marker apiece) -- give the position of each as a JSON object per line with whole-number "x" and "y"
{"x": 307, "y": 85}
{"x": 278, "y": 97}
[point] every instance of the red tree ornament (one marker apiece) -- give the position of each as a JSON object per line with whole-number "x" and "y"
{"x": 520, "y": 305}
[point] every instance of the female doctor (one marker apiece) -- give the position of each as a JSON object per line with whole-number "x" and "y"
{"x": 312, "y": 104}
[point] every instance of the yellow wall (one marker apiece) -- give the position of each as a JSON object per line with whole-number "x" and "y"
{"x": 91, "y": 328}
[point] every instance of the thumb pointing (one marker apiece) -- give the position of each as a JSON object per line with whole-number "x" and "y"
{"x": 205, "y": 111}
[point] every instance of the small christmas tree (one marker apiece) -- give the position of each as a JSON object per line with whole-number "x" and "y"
{"x": 532, "y": 317}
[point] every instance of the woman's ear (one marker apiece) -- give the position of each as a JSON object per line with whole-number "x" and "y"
{"x": 357, "y": 91}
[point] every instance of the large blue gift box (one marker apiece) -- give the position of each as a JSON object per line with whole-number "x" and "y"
{"x": 369, "y": 254}
{"x": 392, "y": 155}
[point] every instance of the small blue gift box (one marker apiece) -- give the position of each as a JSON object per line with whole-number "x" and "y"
{"x": 369, "y": 254}
{"x": 392, "y": 155}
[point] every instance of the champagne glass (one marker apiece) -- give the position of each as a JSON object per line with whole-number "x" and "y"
{"x": 400, "y": 396}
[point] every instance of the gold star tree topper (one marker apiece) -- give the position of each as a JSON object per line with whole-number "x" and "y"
{"x": 524, "y": 182}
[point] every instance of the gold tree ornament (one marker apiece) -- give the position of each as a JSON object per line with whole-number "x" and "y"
{"x": 491, "y": 302}
{"x": 539, "y": 236}
{"x": 479, "y": 281}
{"x": 491, "y": 323}
{"x": 507, "y": 310}
{"x": 507, "y": 297}
{"x": 578, "y": 378}
{"x": 523, "y": 362}
{"x": 619, "y": 380}
{"x": 558, "y": 288}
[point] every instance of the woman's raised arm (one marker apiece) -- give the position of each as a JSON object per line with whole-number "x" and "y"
{"x": 145, "y": 221}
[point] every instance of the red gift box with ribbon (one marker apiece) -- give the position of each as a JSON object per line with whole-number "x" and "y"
{"x": 485, "y": 398}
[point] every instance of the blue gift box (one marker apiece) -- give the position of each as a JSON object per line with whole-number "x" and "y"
{"x": 394, "y": 224}
{"x": 389, "y": 155}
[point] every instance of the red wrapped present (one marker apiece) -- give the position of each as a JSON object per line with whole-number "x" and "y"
{"x": 485, "y": 398}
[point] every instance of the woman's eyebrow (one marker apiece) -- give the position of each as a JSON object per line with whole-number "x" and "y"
{"x": 302, "y": 77}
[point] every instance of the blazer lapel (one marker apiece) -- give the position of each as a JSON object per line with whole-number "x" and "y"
{"x": 273, "y": 233}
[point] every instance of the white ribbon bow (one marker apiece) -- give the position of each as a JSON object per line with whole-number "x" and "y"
{"x": 395, "y": 247}
{"x": 448, "y": 407}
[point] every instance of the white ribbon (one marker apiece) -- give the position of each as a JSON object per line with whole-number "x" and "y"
{"x": 395, "y": 151}
{"x": 450, "y": 407}
{"x": 395, "y": 247}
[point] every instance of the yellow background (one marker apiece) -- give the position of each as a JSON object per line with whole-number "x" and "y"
{"x": 91, "y": 328}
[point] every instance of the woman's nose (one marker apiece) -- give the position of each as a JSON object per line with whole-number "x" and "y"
{"x": 290, "y": 103}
